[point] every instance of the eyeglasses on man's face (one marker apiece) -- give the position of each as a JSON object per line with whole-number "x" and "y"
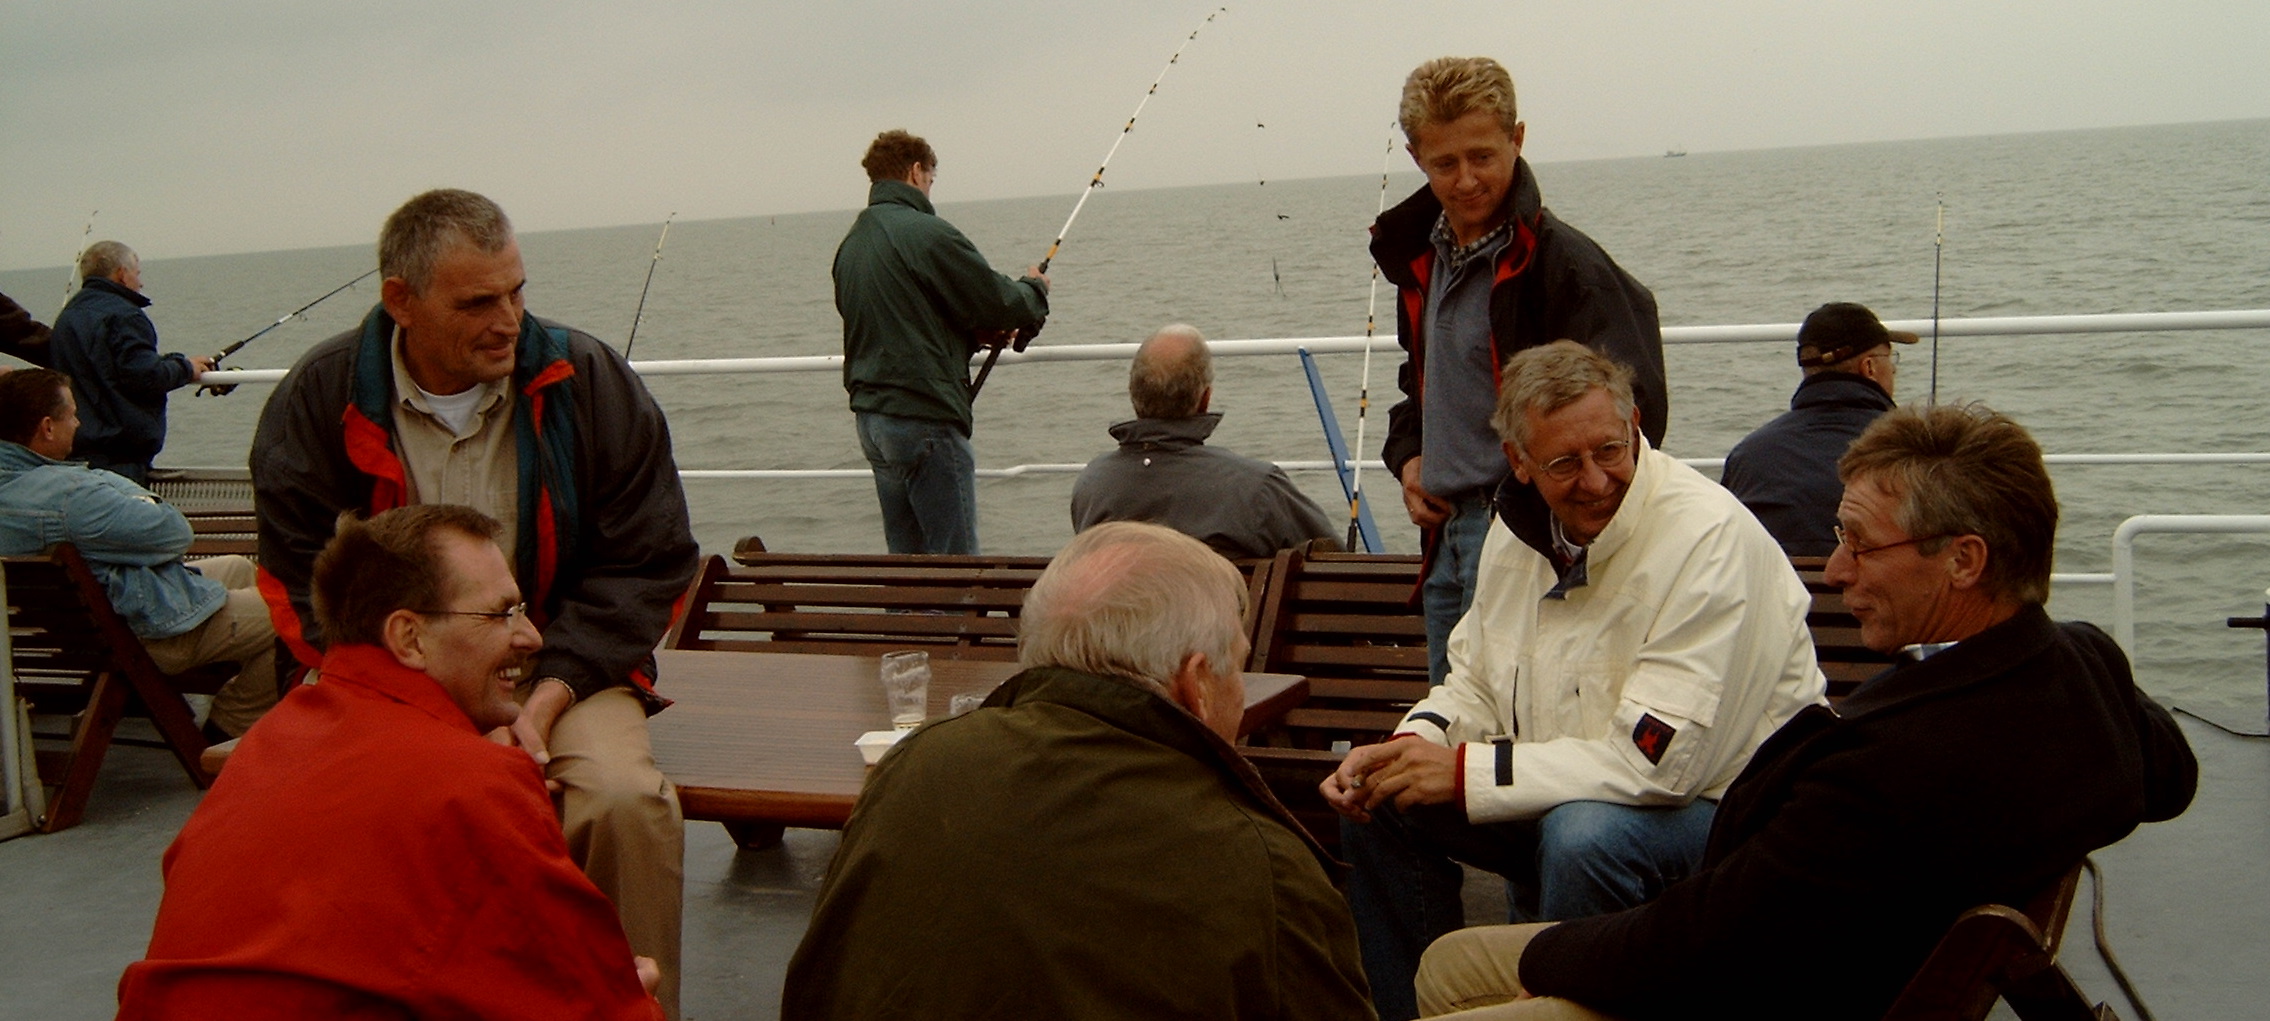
{"x": 1891, "y": 355}
{"x": 1608, "y": 456}
{"x": 510, "y": 615}
{"x": 1859, "y": 551}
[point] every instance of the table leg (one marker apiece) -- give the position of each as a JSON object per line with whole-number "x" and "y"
{"x": 754, "y": 836}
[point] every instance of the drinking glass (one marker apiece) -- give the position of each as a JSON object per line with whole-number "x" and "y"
{"x": 906, "y": 683}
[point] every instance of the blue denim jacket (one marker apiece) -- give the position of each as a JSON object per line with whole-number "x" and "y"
{"x": 133, "y": 542}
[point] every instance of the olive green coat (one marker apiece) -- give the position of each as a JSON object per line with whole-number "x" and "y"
{"x": 1079, "y": 848}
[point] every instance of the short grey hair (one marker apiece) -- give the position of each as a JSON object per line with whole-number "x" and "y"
{"x": 415, "y": 237}
{"x": 103, "y": 258}
{"x": 1131, "y": 600}
{"x": 1553, "y": 376}
{"x": 1167, "y": 379}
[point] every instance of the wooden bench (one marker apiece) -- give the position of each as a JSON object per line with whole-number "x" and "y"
{"x": 1995, "y": 951}
{"x": 223, "y": 532}
{"x": 74, "y": 657}
{"x": 858, "y": 604}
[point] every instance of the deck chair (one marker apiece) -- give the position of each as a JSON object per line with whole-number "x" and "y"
{"x": 74, "y": 657}
{"x": 1996, "y": 952}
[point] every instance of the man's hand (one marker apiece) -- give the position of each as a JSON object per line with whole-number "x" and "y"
{"x": 1033, "y": 273}
{"x": 201, "y": 364}
{"x": 533, "y": 730}
{"x": 649, "y": 973}
{"x": 1426, "y": 509}
{"x": 1412, "y": 771}
{"x": 994, "y": 338}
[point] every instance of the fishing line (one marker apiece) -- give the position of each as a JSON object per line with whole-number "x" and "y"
{"x": 1371, "y": 325}
{"x": 1022, "y": 338}
{"x": 1938, "y": 247}
{"x": 640, "y": 315}
{"x": 220, "y": 391}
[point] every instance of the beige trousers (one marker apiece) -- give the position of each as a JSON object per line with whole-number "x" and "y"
{"x": 1475, "y": 974}
{"x": 623, "y": 827}
{"x": 238, "y": 632}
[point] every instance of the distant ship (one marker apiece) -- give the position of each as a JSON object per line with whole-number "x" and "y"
{"x": 1668, "y": 153}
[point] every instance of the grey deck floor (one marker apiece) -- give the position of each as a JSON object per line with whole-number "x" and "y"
{"x": 2188, "y": 904}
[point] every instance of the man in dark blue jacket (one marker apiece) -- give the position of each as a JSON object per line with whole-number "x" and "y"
{"x": 109, "y": 348}
{"x": 1786, "y": 471}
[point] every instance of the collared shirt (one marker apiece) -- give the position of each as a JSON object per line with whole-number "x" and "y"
{"x": 1455, "y": 255}
{"x": 1461, "y": 448}
{"x": 479, "y": 468}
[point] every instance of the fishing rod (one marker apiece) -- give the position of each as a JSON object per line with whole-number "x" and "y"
{"x": 223, "y": 391}
{"x": 1363, "y": 394}
{"x": 71, "y": 275}
{"x": 1022, "y": 337}
{"x": 640, "y": 315}
{"x": 1938, "y": 247}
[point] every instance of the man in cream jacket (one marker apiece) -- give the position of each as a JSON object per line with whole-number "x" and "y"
{"x": 1635, "y": 634}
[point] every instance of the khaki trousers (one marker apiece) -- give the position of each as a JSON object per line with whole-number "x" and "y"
{"x": 623, "y": 826}
{"x": 238, "y": 632}
{"x": 1475, "y": 974}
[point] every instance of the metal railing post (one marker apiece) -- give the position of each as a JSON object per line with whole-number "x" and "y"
{"x": 2124, "y": 557}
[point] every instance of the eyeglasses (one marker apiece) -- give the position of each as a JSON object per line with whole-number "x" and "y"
{"x": 517, "y": 612}
{"x": 1892, "y": 356}
{"x": 1608, "y": 456}
{"x": 1858, "y": 551}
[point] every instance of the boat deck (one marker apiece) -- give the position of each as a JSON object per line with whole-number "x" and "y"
{"x": 2186, "y": 901}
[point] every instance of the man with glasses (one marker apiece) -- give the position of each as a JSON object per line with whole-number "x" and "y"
{"x": 2000, "y": 749}
{"x": 369, "y": 853}
{"x": 1786, "y": 471}
{"x": 1635, "y": 635}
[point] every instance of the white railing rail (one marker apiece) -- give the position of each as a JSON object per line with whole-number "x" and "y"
{"x": 1985, "y": 326}
{"x": 2124, "y": 556}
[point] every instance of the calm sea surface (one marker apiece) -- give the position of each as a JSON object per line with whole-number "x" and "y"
{"x": 2170, "y": 218}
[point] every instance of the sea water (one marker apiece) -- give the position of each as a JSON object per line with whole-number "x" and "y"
{"x": 2151, "y": 219}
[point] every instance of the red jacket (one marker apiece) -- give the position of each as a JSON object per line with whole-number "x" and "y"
{"x": 369, "y": 854}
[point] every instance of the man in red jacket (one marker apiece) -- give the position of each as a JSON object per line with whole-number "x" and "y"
{"x": 373, "y": 855}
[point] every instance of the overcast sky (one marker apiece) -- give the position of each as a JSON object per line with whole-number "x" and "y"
{"x": 245, "y": 125}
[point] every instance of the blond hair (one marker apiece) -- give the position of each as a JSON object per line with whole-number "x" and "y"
{"x": 1447, "y": 88}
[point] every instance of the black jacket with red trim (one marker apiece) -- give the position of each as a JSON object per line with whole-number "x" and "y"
{"x": 606, "y": 547}
{"x": 1553, "y": 283}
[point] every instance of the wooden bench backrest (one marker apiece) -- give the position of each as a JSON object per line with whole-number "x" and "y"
{"x": 1836, "y": 632}
{"x": 221, "y": 532}
{"x": 1344, "y": 621}
{"x": 859, "y": 605}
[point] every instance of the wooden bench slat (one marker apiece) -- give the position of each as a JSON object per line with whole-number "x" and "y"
{"x": 912, "y": 624}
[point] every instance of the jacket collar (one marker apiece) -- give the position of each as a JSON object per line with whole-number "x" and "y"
{"x": 375, "y": 669}
{"x": 1971, "y": 661}
{"x": 1166, "y": 433}
{"x": 1404, "y": 232}
{"x": 17, "y": 457}
{"x": 1525, "y": 513}
{"x": 105, "y": 285}
{"x": 899, "y": 193}
{"x": 1839, "y": 389}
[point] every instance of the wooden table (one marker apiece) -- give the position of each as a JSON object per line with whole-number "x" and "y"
{"x": 762, "y": 740}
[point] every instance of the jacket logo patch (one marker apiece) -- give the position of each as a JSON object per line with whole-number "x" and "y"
{"x": 1652, "y": 737}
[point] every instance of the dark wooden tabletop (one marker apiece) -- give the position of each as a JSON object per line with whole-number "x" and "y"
{"x": 765, "y": 737}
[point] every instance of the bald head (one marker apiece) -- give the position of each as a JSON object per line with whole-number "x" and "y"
{"x": 1172, "y": 375}
{"x": 1132, "y": 600}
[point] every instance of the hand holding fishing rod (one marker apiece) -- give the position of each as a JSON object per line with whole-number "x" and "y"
{"x": 214, "y": 362}
{"x": 1094, "y": 182}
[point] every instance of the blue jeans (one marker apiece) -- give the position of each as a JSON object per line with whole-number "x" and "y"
{"x": 926, "y": 480}
{"x": 1449, "y": 586}
{"x": 1582, "y": 858}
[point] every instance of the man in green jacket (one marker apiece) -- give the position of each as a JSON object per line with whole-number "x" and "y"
{"x": 917, "y": 299}
{"x": 1088, "y": 844}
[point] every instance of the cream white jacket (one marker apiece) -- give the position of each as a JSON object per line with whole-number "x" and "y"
{"x": 1650, "y": 684}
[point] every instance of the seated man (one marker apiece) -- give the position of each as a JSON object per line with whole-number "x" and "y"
{"x": 186, "y": 614}
{"x": 1634, "y": 635}
{"x": 1786, "y": 471}
{"x": 2001, "y": 749}
{"x": 373, "y": 855}
{"x": 1164, "y": 473}
{"x": 1088, "y": 844}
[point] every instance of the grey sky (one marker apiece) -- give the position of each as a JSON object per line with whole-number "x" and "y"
{"x": 246, "y": 125}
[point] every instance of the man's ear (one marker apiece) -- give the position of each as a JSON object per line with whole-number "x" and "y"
{"x": 405, "y": 637}
{"x": 395, "y": 294}
{"x": 1188, "y": 686}
{"x": 1966, "y": 565}
{"x": 1513, "y": 457}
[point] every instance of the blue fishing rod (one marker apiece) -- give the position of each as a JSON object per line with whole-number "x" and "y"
{"x": 1024, "y": 337}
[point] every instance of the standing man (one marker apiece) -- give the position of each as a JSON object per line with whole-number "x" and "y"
{"x": 1484, "y": 271}
{"x": 1164, "y": 473}
{"x": 917, "y": 300}
{"x": 450, "y": 392}
{"x": 187, "y": 614}
{"x": 1786, "y": 471}
{"x": 1999, "y": 750}
{"x": 1634, "y": 637}
{"x": 107, "y": 345}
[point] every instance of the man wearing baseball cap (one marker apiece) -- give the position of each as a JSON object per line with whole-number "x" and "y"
{"x": 1786, "y": 471}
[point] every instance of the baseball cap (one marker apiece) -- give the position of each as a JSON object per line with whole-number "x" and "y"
{"x": 1840, "y": 329}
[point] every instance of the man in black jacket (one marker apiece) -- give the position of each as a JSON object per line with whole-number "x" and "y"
{"x": 1483, "y": 271}
{"x": 107, "y": 345}
{"x": 1786, "y": 471}
{"x": 2000, "y": 750}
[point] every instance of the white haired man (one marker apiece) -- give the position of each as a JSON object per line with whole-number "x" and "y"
{"x": 1635, "y": 634}
{"x": 107, "y": 345}
{"x": 1088, "y": 844}
{"x": 1164, "y": 473}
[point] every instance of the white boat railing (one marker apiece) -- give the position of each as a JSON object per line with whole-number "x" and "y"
{"x": 1985, "y": 326}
